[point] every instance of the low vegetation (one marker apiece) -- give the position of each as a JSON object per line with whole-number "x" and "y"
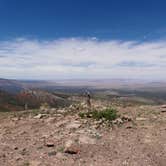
{"x": 106, "y": 114}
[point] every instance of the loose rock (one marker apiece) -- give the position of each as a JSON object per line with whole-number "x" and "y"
{"x": 86, "y": 140}
{"x": 141, "y": 119}
{"x": 39, "y": 116}
{"x": 49, "y": 143}
{"x": 74, "y": 125}
{"x": 71, "y": 148}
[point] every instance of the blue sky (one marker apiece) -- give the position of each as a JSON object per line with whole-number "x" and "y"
{"x": 47, "y": 39}
{"x": 105, "y": 19}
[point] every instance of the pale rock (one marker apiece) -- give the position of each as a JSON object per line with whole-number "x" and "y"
{"x": 86, "y": 140}
{"x": 68, "y": 143}
{"x": 163, "y": 106}
{"x": 35, "y": 163}
{"x": 74, "y": 125}
{"x": 141, "y": 119}
{"x": 60, "y": 155}
{"x": 15, "y": 119}
{"x": 39, "y": 116}
{"x": 71, "y": 148}
{"x": 61, "y": 111}
{"x": 118, "y": 121}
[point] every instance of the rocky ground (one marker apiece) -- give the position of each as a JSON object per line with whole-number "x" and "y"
{"x": 62, "y": 138}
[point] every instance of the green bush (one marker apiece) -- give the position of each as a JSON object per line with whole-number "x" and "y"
{"x": 106, "y": 114}
{"x": 82, "y": 115}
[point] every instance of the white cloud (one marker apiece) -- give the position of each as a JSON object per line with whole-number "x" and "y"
{"x": 82, "y": 58}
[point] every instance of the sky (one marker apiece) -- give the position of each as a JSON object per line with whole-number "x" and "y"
{"x": 82, "y": 39}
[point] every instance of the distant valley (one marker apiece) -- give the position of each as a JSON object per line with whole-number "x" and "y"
{"x": 15, "y": 93}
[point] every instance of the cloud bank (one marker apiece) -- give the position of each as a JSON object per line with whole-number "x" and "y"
{"x": 82, "y": 58}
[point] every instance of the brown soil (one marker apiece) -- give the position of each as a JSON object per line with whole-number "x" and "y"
{"x": 64, "y": 139}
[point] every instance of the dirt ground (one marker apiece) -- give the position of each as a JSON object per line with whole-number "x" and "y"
{"x": 64, "y": 139}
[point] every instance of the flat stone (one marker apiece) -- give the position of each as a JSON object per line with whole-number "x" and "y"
{"x": 141, "y": 119}
{"x": 15, "y": 119}
{"x": 86, "y": 140}
{"x": 61, "y": 111}
{"x": 74, "y": 125}
{"x": 60, "y": 155}
{"x": 35, "y": 163}
{"x": 39, "y": 116}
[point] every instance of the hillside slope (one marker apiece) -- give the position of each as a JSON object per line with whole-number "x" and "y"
{"x": 61, "y": 137}
{"x": 11, "y": 86}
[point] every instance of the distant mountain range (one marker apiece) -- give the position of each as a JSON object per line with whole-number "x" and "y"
{"x": 16, "y": 86}
{"x": 12, "y": 86}
{"x": 14, "y": 94}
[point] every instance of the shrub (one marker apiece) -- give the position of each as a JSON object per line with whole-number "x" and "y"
{"x": 106, "y": 114}
{"x": 82, "y": 115}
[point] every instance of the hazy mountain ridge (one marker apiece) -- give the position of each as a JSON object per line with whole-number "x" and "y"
{"x": 56, "y": 93}
{"x": 12, "y": 86}
{"x": 14, "y": 94}
{"x": 131, "y": 84}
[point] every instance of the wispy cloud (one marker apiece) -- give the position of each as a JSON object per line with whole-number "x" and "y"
{"x": 82, "y": 58}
